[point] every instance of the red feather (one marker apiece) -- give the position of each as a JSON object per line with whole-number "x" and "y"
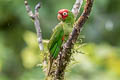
{"x": 62, "y": 11}
{"x": 63, "y": 38}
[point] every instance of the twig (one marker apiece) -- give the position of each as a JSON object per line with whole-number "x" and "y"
{"x": 76, "y": 7}
{"x": 35, "y": 18}
{"x": 64, "y": 56}
{"x": 28, "y": 9}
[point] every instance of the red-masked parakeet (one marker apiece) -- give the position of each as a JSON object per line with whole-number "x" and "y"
{"x": 60, "y": 32}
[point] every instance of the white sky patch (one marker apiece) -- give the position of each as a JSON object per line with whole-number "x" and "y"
{"x": 109, "y": 25}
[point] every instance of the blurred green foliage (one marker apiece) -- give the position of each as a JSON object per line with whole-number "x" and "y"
{"x": 19, "y": 52}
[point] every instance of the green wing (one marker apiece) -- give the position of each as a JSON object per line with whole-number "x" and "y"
{"x": 55, "y": 42}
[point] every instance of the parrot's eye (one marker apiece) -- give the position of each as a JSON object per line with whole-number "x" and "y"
{"x": 64, "y": 13}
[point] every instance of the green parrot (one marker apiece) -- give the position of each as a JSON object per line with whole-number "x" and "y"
{"x": 60, "y": 33}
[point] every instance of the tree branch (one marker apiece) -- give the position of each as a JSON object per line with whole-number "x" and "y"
{"x": 76, "y": 7}
{"x": 35, "y": 18}
{"x": 59, "y": 65}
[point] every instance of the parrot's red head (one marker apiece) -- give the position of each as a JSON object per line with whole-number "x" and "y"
{"x": 62, "y": 14}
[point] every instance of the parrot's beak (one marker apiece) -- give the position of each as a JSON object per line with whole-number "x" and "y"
{"x": 59, "y": 17}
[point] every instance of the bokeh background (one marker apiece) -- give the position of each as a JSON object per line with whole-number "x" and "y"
{"x": 19, "y": 52}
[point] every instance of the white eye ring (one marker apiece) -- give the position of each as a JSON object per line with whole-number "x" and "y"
{"x": 64, "y": 13}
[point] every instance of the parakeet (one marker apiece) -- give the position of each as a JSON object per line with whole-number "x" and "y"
{"x": 60, "y": 32}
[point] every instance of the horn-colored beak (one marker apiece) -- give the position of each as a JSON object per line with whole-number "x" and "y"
{"x": 59, "y": 16}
